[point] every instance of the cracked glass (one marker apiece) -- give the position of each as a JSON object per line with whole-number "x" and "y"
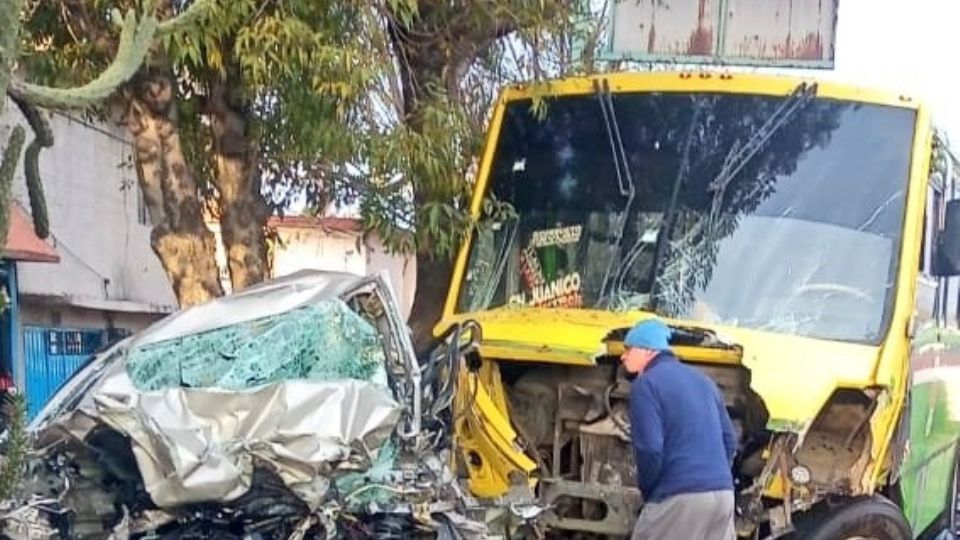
{"x": 777, "y": 213}
{"x": 324, "y": 341}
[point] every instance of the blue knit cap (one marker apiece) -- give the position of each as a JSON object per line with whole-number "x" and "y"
{"x": 650, "y": 334}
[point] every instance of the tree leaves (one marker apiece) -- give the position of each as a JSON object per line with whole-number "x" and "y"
{"x": 331, "y": 95}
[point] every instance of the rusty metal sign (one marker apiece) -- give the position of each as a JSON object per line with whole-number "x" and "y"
{"x": 784, "y": 33}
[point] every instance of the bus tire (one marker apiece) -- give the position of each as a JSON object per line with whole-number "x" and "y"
{"x": 873, "y": 518}
{"x": 953, "y": 498}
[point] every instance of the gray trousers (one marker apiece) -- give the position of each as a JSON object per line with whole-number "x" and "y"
{"x": 688, "y": 516}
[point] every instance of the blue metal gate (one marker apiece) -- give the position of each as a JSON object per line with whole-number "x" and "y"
{"x": 53, "y": 355}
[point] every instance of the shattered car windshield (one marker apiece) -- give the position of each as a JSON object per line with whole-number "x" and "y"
{"x": 322, "y": 341}
{"x": 779, "y": 213}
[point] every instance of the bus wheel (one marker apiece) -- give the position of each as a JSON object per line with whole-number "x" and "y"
{"x": 869, "y": 518}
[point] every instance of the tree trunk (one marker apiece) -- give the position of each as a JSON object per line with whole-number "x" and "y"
{"x": 180, "y": 238}
{"x": 421, "y": 66}
{"x": 244, "y": 213}
{"x": 424, "y": 64}
{"x": 433, "y": 282}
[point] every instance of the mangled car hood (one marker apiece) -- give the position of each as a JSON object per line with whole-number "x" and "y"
{"x": 284, "y": 375}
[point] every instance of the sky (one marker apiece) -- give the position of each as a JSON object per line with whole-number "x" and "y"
{"x": 906, "y": 47}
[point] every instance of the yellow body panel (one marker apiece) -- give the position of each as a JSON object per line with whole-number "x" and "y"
{"x": 485, "y": 437}
{"x": 893, "y": 365}
{"x": 795, "y": 376}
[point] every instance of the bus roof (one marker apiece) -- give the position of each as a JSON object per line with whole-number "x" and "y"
{"x": 705, "y": 81}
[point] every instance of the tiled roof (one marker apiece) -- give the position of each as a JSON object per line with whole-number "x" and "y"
{"x": 23, "y": 244}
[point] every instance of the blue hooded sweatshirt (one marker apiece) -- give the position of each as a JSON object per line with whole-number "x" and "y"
{"x": 683, "y": 438}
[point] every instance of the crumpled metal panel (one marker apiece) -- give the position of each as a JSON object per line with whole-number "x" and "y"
{"x": 261, "y": 302}
{"x": 200, "y": 444}
{"x": 264, "y": 300}
{"x": 197, "y": 445}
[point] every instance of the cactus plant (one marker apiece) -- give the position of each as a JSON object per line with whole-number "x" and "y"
{"x": 14, "y": 418}
{"x": 43, "y": 138}
{"x": 137, "y": 34}
{"x": 7, "y": 168}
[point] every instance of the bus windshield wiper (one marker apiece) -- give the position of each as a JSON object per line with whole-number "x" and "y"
{"x": 738, "y": 156}
{"x": 488, "y": 288}
{"x": 624, "y": 180}
{"x": 666, "y": 224}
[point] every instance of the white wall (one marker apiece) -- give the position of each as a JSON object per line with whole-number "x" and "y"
{"x": 304, "y": 248}
{"x": 97, "y": 226}
{"x": 319, "y": 249}
{"x": 314, "y": 248}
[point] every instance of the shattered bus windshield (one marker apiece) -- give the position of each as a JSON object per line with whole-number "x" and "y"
{"x": 767, "y": 212}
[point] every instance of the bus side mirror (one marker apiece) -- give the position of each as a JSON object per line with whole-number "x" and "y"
{"x": 947, "y": 259}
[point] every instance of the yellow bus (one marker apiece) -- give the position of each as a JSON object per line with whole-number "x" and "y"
{"x": 801, "y": 238}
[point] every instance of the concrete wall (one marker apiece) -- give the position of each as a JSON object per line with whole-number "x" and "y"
{"x": 345, "y": 251}
{"x": 307, "y": 244}
{"x": 35, "y": 312}
{"x": 97, "y": 221}
{"x": 303, "y": 248}
{"x": 314, "y": 248}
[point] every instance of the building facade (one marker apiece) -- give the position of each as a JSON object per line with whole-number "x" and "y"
{"x": 106, "y": 281}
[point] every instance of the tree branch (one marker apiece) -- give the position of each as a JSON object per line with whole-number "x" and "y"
{"x": 136, "y": 38}
{"x": 135, "y": 41}
{"x": 193, "y": 15}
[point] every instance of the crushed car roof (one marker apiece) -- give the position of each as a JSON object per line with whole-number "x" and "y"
{"x": 262, "y": 300}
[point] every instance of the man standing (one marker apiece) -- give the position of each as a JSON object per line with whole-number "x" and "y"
{"x": 683, "y": 442}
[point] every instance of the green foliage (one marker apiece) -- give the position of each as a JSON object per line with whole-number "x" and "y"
{"x": 299, "y": 68}
{"x": 134, "y": 42}
{"x": 15, "y": 450}
{"x": 429, "y": 159}
{"x": 331, "y": 112}
{"x": 200, "y": 48}
{"x": 458, "y": 57}
{"x": 55, "y": 55}
{"x": 9, "y": 37}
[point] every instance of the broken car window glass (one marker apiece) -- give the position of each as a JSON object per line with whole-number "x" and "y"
{"x": 322, "y": 341}
{"x": 807, "y": 213}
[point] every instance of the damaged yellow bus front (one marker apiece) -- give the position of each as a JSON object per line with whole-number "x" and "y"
{"x": 794, "y": 235}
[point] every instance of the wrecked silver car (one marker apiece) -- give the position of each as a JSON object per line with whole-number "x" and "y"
{"x": 294, "y": 409}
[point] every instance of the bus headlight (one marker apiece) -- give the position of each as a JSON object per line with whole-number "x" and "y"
{"x": 800, "y": 475}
